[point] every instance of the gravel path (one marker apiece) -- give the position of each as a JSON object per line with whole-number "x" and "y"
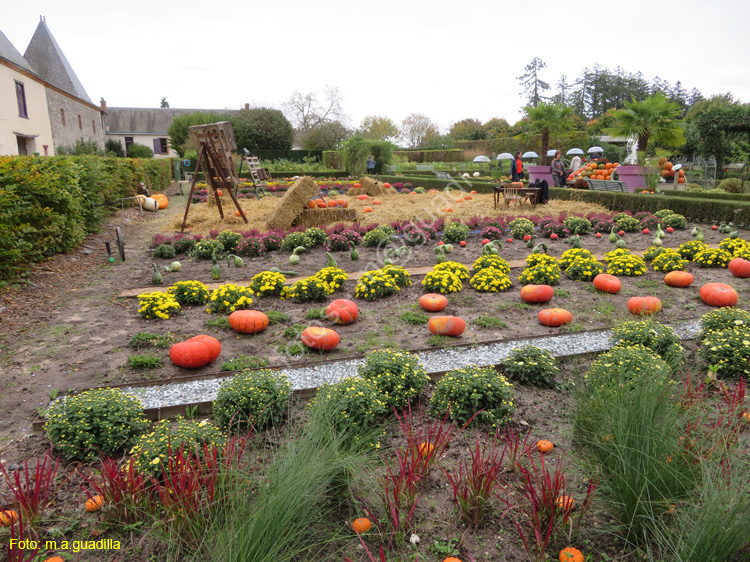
{"x": 433, "y": 361}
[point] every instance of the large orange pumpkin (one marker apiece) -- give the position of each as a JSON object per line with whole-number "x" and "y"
{"x": 322, "y": 205}
{"x": 342, "y": 311}
{"x": 679, "y": 279}
{"x": 195, "y": 352}
{"x": 248, "y": 321}
{"x": 537, "y": 293}
{"x": 570, "y": 554}
{"x": 322, "y": 339}
{"x": 386, "y": 185}
{"x": 161, "y": 199}
{"x": 739, "y": 267}
{"x": 555, "y": 317}
{"x": 311, "y": 204}
{"x": 645, "y": 306}
{"x": 433, "y": 302}
{"x": 342, "y": 203}
{"x": 718, "y": 294}
{"x": 518, "y": 184}
{"x": 361, "y": 525}
{"x": 446, "y": 325}
{"x": 607, "y": 283}
{"x": 332, "y": 203}
{"x": 363, "y": 197}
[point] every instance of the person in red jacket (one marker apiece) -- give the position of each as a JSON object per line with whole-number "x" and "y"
{"x": 516, "y": 167}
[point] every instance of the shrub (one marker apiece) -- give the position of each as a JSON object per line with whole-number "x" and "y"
{"x": 228, "y": 298}
{"x": 336, "y": 243}
{"x": 398, "y": 375}
{"x": 252, "y": 398}
{"x": 661, "y": 213}
{"x": 305, "y": 290}
{"x": 675, "y": 221}
{"x": 464, "y": 392}
{"x": 628, "y": 223}
{"x": 229, "y": 240}
{"x": 353, "y": 401}
{"x": 250, "y": 247}
{"x": 490, "y": 280}
{"x": 652, "y": 222}
{"x": 689, "y": 249}
{"x": 398, "y": 274}
{"x": 554, "y": 227}
{"x": 530, "y": 365}
{"x": 659, "y": 338}
{"x": 316, "y": 235}
{"x": 605, "y": 226}
{"x": 731, "y": 185}
{"x": 583, "y": 225}
{"x": 157, "y": 304}
{"x": 670, "y": 260}
{"x": 455, "y": 232}
{"x": 420, "y": 190}
{"x": 619, "y": 252}
{"x": 542, "y": 274}
{"x": 183, "y": 245}
{"x": 569, "y": 256}
{"x": 164, "y": 251}
{"x": 375, "y": 285}
{"x": 416, "y": 236}
{"x": 723, "y": 319}
{"x": 735, "y": 246}
{"x": 520, "y": 227}
{"x": 617, "y": 370}
{"x": 103, "y": 421}
{"x": 653, "y": 251}
{"x": 294, "y": 240}
{"x": 272, "y": 241}
{"x": 189, "y": 292}
{"x": 332, "y": 278}
{"x": 627, "y": 265}
{"x": 139, "y": 151}
{"x": 583, "y": 269}
{"x": 712, "y": 258}
{"x": 168, "y": 439}
{"x": 267, "y": 284}
{"x": 442, "y": 281}
{"x": 535, "y": 259}
{"x": 352, "y": 236}
{"x": 457, "y": 269}
{"x": 378, "y": 236}
{"x": 206, "y": 248}
{"x": 727, "y": 351}
{"x": 492, "y": 233}
{"x": 496, "y": 262}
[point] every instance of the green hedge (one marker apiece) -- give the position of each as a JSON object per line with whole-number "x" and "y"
{"x": 716, "y": 194}
{"x": 430, "y": 155}
{"x": 293, "y": 155}
{"x": 47, "y": 205}
{"x": 693, "y": 208}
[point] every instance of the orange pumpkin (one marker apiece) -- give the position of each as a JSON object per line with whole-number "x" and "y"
{"x": 459, "y": 200}
{"x": 363, "y": 197}
{"x": 447, "y": 209}
{"x": 238, "y": 213}
{"x": 219, "y": 192}
{"x": 311, "y": 204}
{"x": 322, "y": 339}
{"x": 54, "y": 559}
{"x": 565, "y": 503}
{"x": 607, "y": 283}
{"x": 357, "y": 185}
{"x": 739, "y": 267}
{"x": 537, "y": 293}
{"x": 377, "y": 202}
{"x": 644, "y": 306}
{"x": 94, "y": 504}
{"x": 322, "y": 205}
{"x": 342, "y": 311}
{"x": 451, "y": 559}
{"x": 248, "y": 321}
{"x": 544, "y": 446}
{"x": 386, "y": 185}
{"x": 195, "y": 352}
{"x": 555, "y": 317}
{"x": 7, "y": 517}
{"x": 342, "y": 203}
{"x": 361, "y": 525}
{"x": 425, "y": 449}
{"x": 446, "y": 326}
{"x": 332, "y": 203}
{"x": 517, "y": 184}
{"x": 679, "y": 279}
{"x": 570, "y": 554}
{"x": 161, "y": 199}
{"x": 367, "y": 210}
{"x": 433, "y": 302}
{"x": 468, "y": 198}
{"x": 718, "y": 294}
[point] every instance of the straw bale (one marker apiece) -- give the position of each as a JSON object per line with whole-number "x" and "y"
{"x": 373, "y": 188}
{"x": 325, "y": 217}
{"x": 293, "y": 203}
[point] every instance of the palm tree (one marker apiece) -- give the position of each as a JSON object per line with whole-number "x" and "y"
{"x": 653, "y": 118}
{"x": 549, "y": 119}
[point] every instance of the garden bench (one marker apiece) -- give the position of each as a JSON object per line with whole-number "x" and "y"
{"x": 425, "y": 168}
{"x": 607, "y": 185}
{"x": 442, "y": 176}
{"x": 392, "y": 169}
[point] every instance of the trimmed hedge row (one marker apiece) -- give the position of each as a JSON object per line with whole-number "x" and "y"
{"x": 693, "y": 208}
{"x": 453, "y": 155}
{"x": 48, "y": 205}
{"x": 716, "y": 194}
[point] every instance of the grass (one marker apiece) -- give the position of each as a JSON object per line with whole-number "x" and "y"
{"x": 293, "y": 332}
{"x": 293, "y": 348}
{"x": 242, "y": 362}
{"x": 572, "y": 327}
{"x": 220, "y": 322}
{"x": 489, "y": 322}
{"x": 415, "y": 317}
{"x": 562, "y": 293}
{"x": 276, "y": 317}
{"x": 513, "y": 306}
{"x": 145, "y": 362}
{"x": 648, "y": 284}
{"x": 146, "y": 339}
{"x": 439, "y": 341}
{"x": 316, "y": 314}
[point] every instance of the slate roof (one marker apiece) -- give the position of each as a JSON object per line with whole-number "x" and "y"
{"x": 46, "y": 57}
{"x": 141, "y": 120}
{"x": 11, "y": 54}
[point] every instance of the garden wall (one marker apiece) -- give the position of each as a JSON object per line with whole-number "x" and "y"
{"x": 47, "y": 205}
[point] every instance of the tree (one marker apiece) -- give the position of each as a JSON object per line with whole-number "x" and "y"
{"x": 262, "y": 128}
{"x": 533, "y": 85}
{"x": 378, "y": 128}
{"x": 549, "y": 119}
{"x": 496, "y": 128}
{"x": 356, "y": 150}
{"x": 178, "y": 131}
{"x": 325, "y": 136}
{"x": 164, "y": 103}
{"x": 468, "y": 129}
{"x": 306, "y": 112}
{"x": 416, "y": 129}
{"x": 438, "y": 142}
{"x": 653, "y": 118}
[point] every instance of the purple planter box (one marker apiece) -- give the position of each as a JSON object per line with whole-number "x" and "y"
{"x": 541, "y": 172}
{"x": 632, "y": 176}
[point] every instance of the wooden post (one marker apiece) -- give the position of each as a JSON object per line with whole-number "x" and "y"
{"x": 192, "y": 186}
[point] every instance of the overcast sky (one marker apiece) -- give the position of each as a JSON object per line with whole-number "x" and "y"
{"x": 447, "y": 60}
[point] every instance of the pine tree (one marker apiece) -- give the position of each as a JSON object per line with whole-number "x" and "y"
{"x": 533, "y": 85}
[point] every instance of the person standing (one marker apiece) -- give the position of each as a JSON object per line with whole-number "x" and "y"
{"x": 558, "y": 170}
{"x": 516, "y": 167}
{"x": 370, "y": 164}
{"x": 575, "y": 164}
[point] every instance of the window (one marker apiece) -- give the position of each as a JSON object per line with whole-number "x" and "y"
{"x": 80, "y": 123}
{"x": 93, "y": 126}
{"x": 62, "y": 116}
{"x": 21, "y": 99}
{"x": 128, "y": 142}
{"x": 161, "y": 146}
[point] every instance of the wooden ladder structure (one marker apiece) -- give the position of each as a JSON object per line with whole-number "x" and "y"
{"x": 258, "y": 175}
{"x": 215, "y": 143}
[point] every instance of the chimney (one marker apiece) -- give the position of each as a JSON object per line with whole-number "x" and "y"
{"x": 103, "y": 104}
{"x": 247, "y": 106}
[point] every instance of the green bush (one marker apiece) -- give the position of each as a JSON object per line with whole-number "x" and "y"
{"x": 725, "y": 318}
{"x": 140, "y": 151}
{"x": 669, "y": 260}
{"x": 661, "y": 213}
{"x": 353, "y": 402}
{"x": 496, "y": 262}
{"x": 530, "y": 365}
{"x": 164, "y": 251}
{"x": 457, "y": 269}
{"x": 374, "y": 285}
{"x": 689, "y": 249}
{"x": 569, "y": 256}
{"x": 542, "y": 274}
{"x": 490, "y": 280}
{"x": 377, "y": 236}
{"x": 628, "y": 223}
{"x": 520, "y": 227}
{"x": 583, "y": 225}
{"x": 305, "y": 290}
{"x": 712, "y": 258}
{"x": 626, "y": 265}
{"x": 731, "y": 185}
{"x": 653, "y": 251}
{"x": 153, "y": 449}
{"x": 455, "y": 232}
{"x": 398, "y": 274}
{"x": 659, "y": 338}
{"x": 727, "y": 351}
{"x": 316, "y": 235}
{"x": 675, "y": 221}
{"x": 189, "y": 292}
{"x": 398, "y": 375}
{"x": 442, "y": 281}
{"x": 206, "y": 248}
{"x": 103, "y": 421}
{"x": 623, "y": 366}
{"x": 468, "y": 390}
{"x": 183, "y": 245}
{"x": 583, "y": 269}
{"x": 294, "y": 240}
{"x": 229, "y": 240}
{"x": 253, "y": 398}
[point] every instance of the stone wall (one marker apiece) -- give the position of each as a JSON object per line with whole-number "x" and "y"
{"x": 88, "y": 127}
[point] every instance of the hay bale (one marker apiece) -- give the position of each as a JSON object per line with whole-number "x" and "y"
{"x": 373, "y": 188}
{"x": 293, "y": 203}
{"x": 325, "y": 217}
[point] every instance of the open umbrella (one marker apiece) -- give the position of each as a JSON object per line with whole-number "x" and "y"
{"x": 551, "y": 152}
{"x": 574, "y": 152}
{"x": 481, "y": 159}
{"x": 593, "y": 149}
{"x": 530, "y": 154}
{"x": 507, "y": 156}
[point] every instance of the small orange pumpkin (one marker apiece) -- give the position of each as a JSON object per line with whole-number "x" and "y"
{"x": 361, "y": 525}
{"x": 332, "y": 203}
{"x": 54, "y": 559}
{"x": 517, "y": 184}
{"x": 555, "y": 317}
{"x": 7, "y": 517}
{"x": 322, "y": 339}
{"x": 377, "y": 202}
{"x": 452, "y": 326}
{"x": 433, "y": 302}
{"x": 322, "y": 205}
{"x": 544, "y": 446}
{"x": 367, "y": 210}
{"x": 468, "y": 197}
{"x": 386, "y": 185}
{"x": 94, "y": 504}
{"x": 718, "y": 294}
{"x": 451, "y": 559}
{"x": 219, "y": 192}
{"x": 161, "y": 199}
{"x": 739, "y": 267}
{"x": 248, "y": 321}
{"x": 311, "y": 204}
{"x": 460, "y": 200}
{"x": 342, "y": 203}
{"x": 356, "y": 185}
{"x": 565, "y": 503}
{"x": 537, "y": 293}
{"x": 679, "y": 279}
{"x": 238, "y": 213}
{"x": 447, "y": 210}
{"x": 607, "y": 283}
{"x": 644, "y": 306}
{"x": 425, "y": 449}
{"x": 363, "y": 197}
{"x": 570, "y": 554}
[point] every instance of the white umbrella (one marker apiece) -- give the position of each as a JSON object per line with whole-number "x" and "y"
{"x": 530, "y": 155}
{"x": 551, "y": 152}
{"x": 508, "y": 156}
{"x": 574, "y": 151}
{"x": 481, "y": 159}
{"x": 595, "y": 149}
